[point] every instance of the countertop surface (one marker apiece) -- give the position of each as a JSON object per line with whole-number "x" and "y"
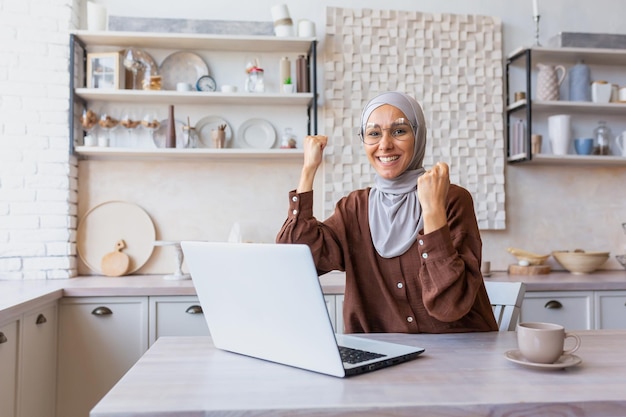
{"x": 458, "y": 375}
{"x": 15, "y": 296}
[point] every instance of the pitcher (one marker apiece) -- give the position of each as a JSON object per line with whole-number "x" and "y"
{"x": 549, "y": 80}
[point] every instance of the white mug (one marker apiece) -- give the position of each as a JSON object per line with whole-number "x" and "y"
{"x": 621, "y": 95}
{"x": 559, "y": 127}
{"x": 620, "y": 142}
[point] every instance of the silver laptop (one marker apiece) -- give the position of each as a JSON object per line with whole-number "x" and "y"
{"x": 265, "y": 300}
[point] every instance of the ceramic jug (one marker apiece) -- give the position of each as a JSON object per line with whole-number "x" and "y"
{"x": 549, "y": 80}
{"x": 560, "y": 129}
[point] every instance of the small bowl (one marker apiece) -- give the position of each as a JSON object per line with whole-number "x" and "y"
{"x": 621, "y": 259}
{"x": 580, "y": 262}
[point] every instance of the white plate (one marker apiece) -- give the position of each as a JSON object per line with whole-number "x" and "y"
{"x": 102, "y": 226}
{"x": 256, "y": 133}
{"x": 204, "y": 127}
{"x": 565, "y": 361}
{"x": 161, "y": 132}
{"x": 182, "y": 67}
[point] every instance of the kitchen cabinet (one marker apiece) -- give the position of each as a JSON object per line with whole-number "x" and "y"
{"x": 223, "y": 48}
{"x": 38, "y": 362}
{"x": 176, "y": 316}
{"x": 100, "y": 338}
{"x": 8, "y": 367}
{"x": 571, "y": 309}
{"x": 610, "y": 309}
{"x": 520, "y": 76}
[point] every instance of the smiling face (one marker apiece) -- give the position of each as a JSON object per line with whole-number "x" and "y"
{"x": 391, "y": 156}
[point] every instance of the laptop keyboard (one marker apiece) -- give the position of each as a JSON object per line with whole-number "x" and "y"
{"x": 353, "y": 356}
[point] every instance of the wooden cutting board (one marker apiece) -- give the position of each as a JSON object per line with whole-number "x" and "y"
{"x": 515, "y": 269}
{"x": 115, "y": 264}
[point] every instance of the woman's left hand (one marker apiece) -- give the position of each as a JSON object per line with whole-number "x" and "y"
{"x": 432, "y": 192}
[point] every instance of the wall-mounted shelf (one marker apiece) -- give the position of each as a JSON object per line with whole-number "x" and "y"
{"x": 226, "y": 154}
{"x": 577, "y": 160}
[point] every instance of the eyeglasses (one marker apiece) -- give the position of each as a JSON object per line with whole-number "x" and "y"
{"x": 400, "y": 129}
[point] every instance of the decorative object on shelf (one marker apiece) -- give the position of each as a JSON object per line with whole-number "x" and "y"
{"x": 621, "y": 94}
{"x": 614, "y": 93}
{"x": 182, "y": 66}
{"x": 580, "y": 82}
{"x": 130, "y": 121}
{"x": 535, "y": 144}
{"x": 306, "y": 28}
{"x": 528, "y": 263}
{"x": 133, "y": 64}
{"x": 620, "y": 143}
{"x": 536, "y": 18}
{"x": 256, "y": 133}
{"x": 152, "y": 83}
{"x": 519, "y": 96}
{"x": 183, "y": 86}
{"x": 283, "y": 25}
{"x": 190, "y": 136}
{"x": 206, "y": 83}
{"x": 110, "y": 222}
{"x": 219, "y": 136}
{"x": 160, "y": 135}
{"x": 254, "y": 81}
{"x": 108, "y": 121}
{"x": 96, "y": 16}
{"x": 288, "y": 87}
{"x": 88, "y": 120}
{"x": 115, "y": 264}
{"x": 302, "y": 75}
{"x": 170, "y": 134}
{"x": 285, "y": 70}
{"x": 151, "y": 122}
{"x": 207, "y": 124}
{"x": 583, "y": 146}
{"x": 587, "y": 40}
{"x": 601, "y": 92}
{"x": 90, "y": 140}
{"x": 579, "y": 262}
{"x": 549, "y": 80}
{"x": 559, "y": 128}
{"x": 288, "y": 140}
{"x": 105, "y": 70}
{"x": 178, "y": 274}
{"x": 228, "y": 88}
{"x": 603, "y": 136}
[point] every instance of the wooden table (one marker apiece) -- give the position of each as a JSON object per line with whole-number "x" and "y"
{"x": 458, "y": 375}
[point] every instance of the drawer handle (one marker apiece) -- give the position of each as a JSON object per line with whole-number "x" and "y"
{"x": 102, "y": 311}
{"x": 3, "y": 338}
{"x": 553, "y": 304}
{"x": 41, "y": 319}
{"x": 194, "y": 310}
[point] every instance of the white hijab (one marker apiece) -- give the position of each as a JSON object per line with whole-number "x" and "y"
{"x": 395, "y": 214}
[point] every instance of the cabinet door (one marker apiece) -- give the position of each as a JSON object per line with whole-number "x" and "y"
{"x": 99, "y": 340}
{"x": 8, "y": 368}
{"x": 37, "y": 387}
{"x": 571, "y": 309}
{"x": 610, "y": 309}
{"x": 176, "y": 316}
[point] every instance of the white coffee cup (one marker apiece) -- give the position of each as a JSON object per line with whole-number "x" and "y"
{"x": 559, "y": 128}
{"x": 620, "y": 142}
{"x": 544, "y": 342}
{"x": 622, "y": 94}
{"x": 184, "y": 87}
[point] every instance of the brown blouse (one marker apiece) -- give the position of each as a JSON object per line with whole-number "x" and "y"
{"x": 434, "y": 287}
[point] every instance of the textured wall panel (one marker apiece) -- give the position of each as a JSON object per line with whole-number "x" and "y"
{"x": 452, "y": 64}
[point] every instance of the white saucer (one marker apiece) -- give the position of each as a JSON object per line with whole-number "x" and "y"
{"x": 564, "y": 361}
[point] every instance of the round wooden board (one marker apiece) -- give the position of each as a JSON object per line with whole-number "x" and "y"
{"x": 515, "y": 269}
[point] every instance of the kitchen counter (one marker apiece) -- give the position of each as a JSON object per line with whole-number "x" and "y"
{"x": 458, "y": 374}
{"x": 15, "y": 296}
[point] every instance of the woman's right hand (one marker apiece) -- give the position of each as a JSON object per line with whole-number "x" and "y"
{"x": 313, "y": 156}
{"x": 313, "y": 150}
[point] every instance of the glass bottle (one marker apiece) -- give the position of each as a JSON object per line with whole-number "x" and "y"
{"x": 602, "y": 139}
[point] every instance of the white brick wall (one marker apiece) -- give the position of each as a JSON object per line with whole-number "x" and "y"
{"x": 38, "y": 177}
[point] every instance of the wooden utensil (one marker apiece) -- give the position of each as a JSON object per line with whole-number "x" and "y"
{"x": 115, "y": 264}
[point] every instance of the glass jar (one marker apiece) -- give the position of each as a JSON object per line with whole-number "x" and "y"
{"x": 602, "y": 139}
{"x": 254, "y": 82}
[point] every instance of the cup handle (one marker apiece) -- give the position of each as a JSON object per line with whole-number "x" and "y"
{"x": 576, "y": 346}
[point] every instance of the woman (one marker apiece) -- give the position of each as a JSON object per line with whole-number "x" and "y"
{"x": 410, "y": 245}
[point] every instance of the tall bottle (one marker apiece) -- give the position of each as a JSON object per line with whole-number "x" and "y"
{"x": 170, "y": 135}
{"x": 285, "y": 69}
{"x": 302, "y": 74}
